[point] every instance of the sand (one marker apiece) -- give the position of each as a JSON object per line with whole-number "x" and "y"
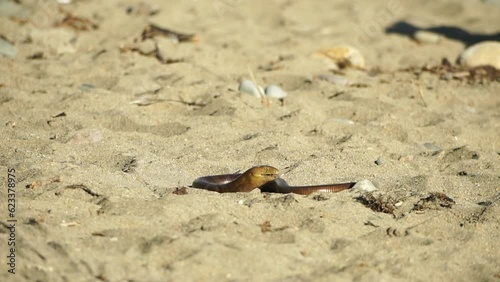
{"x": 103, "y": 138}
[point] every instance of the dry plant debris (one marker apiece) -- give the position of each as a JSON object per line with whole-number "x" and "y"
{"x": 152, "y": 31}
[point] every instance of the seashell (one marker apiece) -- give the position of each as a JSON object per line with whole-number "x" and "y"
{"x": 248, "y": 87}
{"x": 343, "y": 56}
{"x": 481, "y": 54}
{"x": 275, "y": 91}
{"x": 423, "y": 36}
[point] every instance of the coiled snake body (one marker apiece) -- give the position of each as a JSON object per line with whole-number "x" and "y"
{"x": 266, "y": 178}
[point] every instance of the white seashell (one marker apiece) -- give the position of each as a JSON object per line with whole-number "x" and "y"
{"x": 248, "y": 87}
{"x": 480, "y": 54}
{"x": 275, "y": 91}
{"x": 423, "y": 36}
{"x": 343, "y": 56}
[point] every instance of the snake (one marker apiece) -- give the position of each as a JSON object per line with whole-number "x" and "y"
{"x": 266, "y": 178}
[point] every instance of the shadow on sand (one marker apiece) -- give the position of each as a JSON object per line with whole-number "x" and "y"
{"x": 451, "y": 32}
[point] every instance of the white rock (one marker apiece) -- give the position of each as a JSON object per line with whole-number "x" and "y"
{"x": 423, "y": 36}
{"x": 480, "y": 54}
{"x": 248, "y": 87}
{"x": 275, "y": 91}
{"x": 363, "y": 187}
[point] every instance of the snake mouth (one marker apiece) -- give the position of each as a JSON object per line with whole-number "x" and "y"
{"x": 268, "y": 175}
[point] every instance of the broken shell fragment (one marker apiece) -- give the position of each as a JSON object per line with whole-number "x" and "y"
{"x": 248, "y": 87}
{"x": 342, "y": 56}
{"x": 481, "y": 54}
{"x": 275, "y": 91}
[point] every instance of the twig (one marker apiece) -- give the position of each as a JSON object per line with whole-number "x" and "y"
{"x": 421, "y": 95}
{"x": 263, "y": 97}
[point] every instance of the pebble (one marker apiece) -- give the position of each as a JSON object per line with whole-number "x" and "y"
{"x": 379, "y": 161}
{"x": 343, "y": 56}
{"x": 423, "y": 36}
{"x": 86, "y": 87}
{"x": 248, "y": 87}
{"x": 275, "y": 91}
{"x": 146, "y": 47}
{"x": 363, "y": 187}
{"x": 480, "y": 54}
{"x": 7, "y": 49}
{"x": 432, "y": 147}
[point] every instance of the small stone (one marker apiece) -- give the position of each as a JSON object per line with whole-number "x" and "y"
{"x": 168, "y": 51}
{"x": 423, "y": 36}
{"x": 86, "y": 87}
{"x": 275, "y": 91}
{"x": 379, "y": 161}
{"x": 248, "y": 87}
{"x": 432, "y": 148}
{"x": 363, "y": 187}
{"x": 343, "y": 56}
{"x": 482, "y": 54}
{"x": 146, "y": 47}
{"x": 7, "y": 49}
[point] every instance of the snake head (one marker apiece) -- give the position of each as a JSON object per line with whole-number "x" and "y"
{"x": 263, "y": 174}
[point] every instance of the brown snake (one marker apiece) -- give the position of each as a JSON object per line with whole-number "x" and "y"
{"x": 266, "y": 178}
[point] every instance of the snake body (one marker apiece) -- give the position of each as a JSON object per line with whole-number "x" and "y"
{"x": 264, "y": 177}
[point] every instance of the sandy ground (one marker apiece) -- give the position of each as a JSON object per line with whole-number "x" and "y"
{"x": 97, "y": 174}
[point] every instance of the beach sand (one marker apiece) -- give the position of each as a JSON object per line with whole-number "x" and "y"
{"x": 103, "y": 138}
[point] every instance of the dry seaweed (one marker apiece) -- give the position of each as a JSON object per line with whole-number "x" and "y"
{"x": 379, "y": 202}
{"x": 180, "y": 191}
{"x": 434, "y": 201}
{"x": 78, "y": 23}
{"x": 447, "y": 71}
